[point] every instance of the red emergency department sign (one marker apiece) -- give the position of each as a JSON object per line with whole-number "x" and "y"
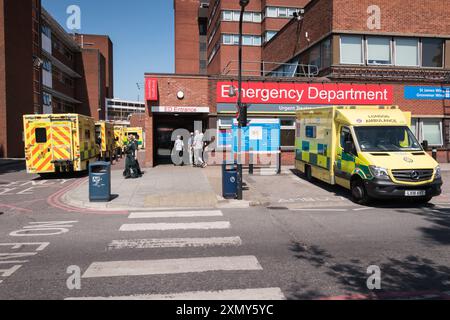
{"x": 151, "y": 89}
{"x": 301, "y": 93}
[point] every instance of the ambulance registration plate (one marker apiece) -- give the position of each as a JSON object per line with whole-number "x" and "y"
{"x": 415, "y": 193}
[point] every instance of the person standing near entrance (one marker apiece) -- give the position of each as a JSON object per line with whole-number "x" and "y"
{"x": 179, "y": 148}
{"x": 191, "y": 149}
{"x": 198, "y": 149}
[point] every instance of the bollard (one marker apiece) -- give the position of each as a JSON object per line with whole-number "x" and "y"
{"x": 279, "y": 162}
{"x": 251, "y": 163}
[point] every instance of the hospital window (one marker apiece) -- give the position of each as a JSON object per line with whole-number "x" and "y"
{"x": 432, "y": 53}
{"x": 351, "y": 50}
{"x": 407, "y": 52}
{"x": 247, "y": 40}
{"x": 281, "y": 12}
{"x": 379, "y": 50}
{"x": 398, "y": 51}
{"x": 429, "y": 130}
{"x": 269, "y": 35}
{"x": 287, "y": 133}
{"x": 229, "y": 15}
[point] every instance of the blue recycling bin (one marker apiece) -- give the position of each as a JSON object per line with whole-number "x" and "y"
{"x": 229, "y": 181}
{"x": 100, "y": 182}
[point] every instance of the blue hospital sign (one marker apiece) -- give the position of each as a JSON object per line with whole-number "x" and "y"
{"x": 427, "y": 93}
{"x": 261, "y": 136}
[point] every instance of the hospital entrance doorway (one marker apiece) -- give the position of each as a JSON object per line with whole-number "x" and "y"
{"x": 165, "y": 126}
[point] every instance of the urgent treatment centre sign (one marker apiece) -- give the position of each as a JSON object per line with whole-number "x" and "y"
{"x": 302, "y": 93}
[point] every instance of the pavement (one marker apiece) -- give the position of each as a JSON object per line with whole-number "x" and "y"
{"x": 159, "y": 188}
{"x": 294, "y": 247}
{"x": 168, "y": 186}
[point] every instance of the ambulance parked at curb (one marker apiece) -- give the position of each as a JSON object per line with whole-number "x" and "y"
{"x": 138, "y": 133}
{"x": 104, "y": 132}
{"x": 369, "y": 150}
{"x": 57, "y": 143}
{"x": 119, "y": 136}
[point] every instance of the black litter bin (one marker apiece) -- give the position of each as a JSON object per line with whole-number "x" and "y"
{"x": 100, "y": 182}
{"x": 229, "y": 181}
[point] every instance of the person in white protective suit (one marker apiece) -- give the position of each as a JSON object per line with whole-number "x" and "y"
{"x": 198, "y": 149}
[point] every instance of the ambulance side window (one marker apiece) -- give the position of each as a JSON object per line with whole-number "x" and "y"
{"x": 41, "y": 135}
{"x": 346, "y": 135}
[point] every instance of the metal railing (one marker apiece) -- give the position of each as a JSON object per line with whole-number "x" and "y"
{"x": 271, "y": 69}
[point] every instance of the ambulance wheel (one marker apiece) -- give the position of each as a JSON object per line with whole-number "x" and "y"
{"x": 308, "y": 173}
{"x": 359, "y": 192}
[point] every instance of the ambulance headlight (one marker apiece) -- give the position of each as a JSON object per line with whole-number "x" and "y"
{"x": 438, "y": 173}
{"x": 380, "y": 173}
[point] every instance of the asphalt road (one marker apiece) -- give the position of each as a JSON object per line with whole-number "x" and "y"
{"x": 293, "y": 253}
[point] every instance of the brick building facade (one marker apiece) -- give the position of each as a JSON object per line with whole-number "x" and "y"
{"x": 47, "y": 70}
{"x": 330, "y": 43}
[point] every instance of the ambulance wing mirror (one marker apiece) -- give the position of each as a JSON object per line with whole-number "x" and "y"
{"x": 425, "y": 145}
{"x": 348, "y": 147}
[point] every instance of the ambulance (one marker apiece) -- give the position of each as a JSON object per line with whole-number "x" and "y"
{"x": 104, "y": 133}
{"x": 138, "y": 133}
{"x": 119, "y": 135}
{"x": 369, "y": 150}
{"x": 58, "y": 143}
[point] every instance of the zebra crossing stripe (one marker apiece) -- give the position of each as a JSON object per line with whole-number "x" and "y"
{"x": 174, "y": 243}
{"x": 175, "y": 214}
{"x": 257, "y": 294}
{"x": 170, "y": 266}
{"x": 175, "y": 226}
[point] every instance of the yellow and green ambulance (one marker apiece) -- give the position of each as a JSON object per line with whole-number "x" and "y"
{"x": 369, "y": 150}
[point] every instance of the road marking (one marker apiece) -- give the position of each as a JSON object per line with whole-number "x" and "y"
{"x": 330, "y": 210}
{"x": 170, "y": 266}
{"x": 174, "y": 243}
{"x": 175, "y": 226}
{"x": 175, "y": 214}
{"x": 15, "y": 208}
{"x": 260, "y": 294}
{"x": 363, "y": 209}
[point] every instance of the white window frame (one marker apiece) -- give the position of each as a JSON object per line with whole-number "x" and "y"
{"x": 248, "y": 38}
{"x": 225, "y": 36}
{"x": 363, "y": 58}
{"x": 266, "y": 36}
{"x": 275, "y": 11}
{"x": 422, "y": 137}
{"x": 285, "y": 12}
{"x": 366, "y": 49}
{"x": 227, "y": 12}
{"x": 257, "y": 17}
{"x": 248, "y": 16}
{"x": 419, "y": 62}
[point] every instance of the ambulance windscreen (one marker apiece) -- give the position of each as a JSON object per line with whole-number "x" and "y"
{"x": 386, "y": 139}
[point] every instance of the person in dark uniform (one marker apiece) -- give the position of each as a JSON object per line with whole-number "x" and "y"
{"x": 138, "y": 167}
{"x": 130, "y": 160}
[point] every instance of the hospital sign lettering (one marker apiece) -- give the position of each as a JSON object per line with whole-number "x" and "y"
{"x": 302, "y": 93}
